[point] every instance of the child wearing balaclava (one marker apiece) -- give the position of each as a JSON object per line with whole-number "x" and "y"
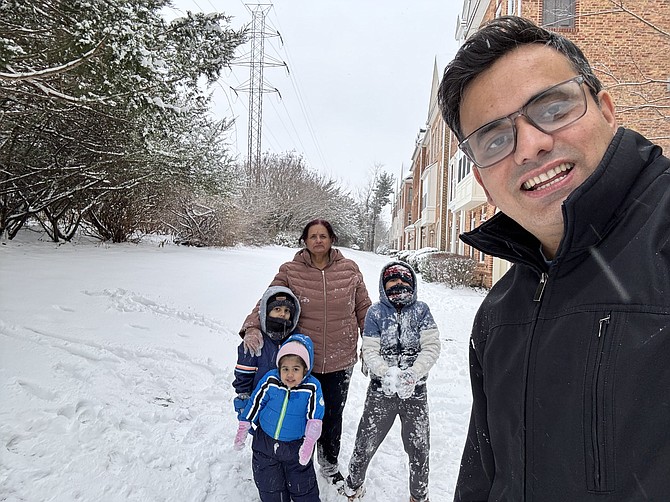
{"x": 279, "y": 313}
{"x": 400, "y": 345}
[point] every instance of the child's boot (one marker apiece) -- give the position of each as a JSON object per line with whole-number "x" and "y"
{"x": 333, "y": 475}
{"x": 352, "y": 493}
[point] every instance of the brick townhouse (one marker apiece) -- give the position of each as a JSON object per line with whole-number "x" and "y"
{"x": 627, "y": 43}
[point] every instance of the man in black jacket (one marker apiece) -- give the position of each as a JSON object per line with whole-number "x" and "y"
{"x": 569, "y": 354}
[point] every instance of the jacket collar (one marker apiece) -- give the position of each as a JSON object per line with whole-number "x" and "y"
{"x": 304, "y": 256}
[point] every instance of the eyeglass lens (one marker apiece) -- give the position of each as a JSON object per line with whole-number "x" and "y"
{"x": 549, "y": 111}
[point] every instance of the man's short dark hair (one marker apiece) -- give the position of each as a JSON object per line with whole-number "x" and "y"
{"x": 492, "y": 41}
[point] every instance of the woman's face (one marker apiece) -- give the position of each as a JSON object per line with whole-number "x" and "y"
{"x": 318, "y": 240}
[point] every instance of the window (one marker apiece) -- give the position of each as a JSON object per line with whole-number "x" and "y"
{"x": 464, "y": 167}
{"x": 558, "y": 13}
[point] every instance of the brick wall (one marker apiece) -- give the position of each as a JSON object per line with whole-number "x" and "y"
{"x": 631, "y": 56}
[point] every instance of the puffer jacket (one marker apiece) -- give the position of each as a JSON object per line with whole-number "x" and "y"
{"x": 406, "y": 338}
{"x": 569, "y": 360}
{"x": 281, "y": 412}
{"x": 251, "y": 368}
{"x": 333, "y": 304}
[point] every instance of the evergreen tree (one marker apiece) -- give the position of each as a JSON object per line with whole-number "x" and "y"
{"x": 100, "y": 98}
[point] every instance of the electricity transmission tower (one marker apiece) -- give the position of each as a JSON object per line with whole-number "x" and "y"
{"x": 256, "y": 85}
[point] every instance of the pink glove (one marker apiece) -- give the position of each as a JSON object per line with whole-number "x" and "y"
{"x": 241, "y": 436}
{"x": 253, "y": 341}
{"x": 312, "y": 433}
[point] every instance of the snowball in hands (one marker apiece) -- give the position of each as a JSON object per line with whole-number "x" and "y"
{"x": 406, "y": 383}
{"x": 397, "y": 381}
{"x": 390, "y": 381}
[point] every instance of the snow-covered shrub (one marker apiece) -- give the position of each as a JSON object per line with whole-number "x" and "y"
{"x": 405, "y": 255}
{"x": 448, "y": 268}
{"x": 383, "y": 248}
{"x": 288, "y": 239}
{"x": 417, "y": 256}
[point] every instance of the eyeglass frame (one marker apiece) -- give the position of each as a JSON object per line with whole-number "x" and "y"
{"x": 521, "y": 112}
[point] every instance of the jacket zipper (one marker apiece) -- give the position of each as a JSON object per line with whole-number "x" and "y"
{"x": 540, "y": 287}
{"x": 598, "y": 454}
{"x": 282, "y": 414}
{"x": 325, "y": 318}
{"x": 398, "y": 344}
{"x": 537, "y": 298}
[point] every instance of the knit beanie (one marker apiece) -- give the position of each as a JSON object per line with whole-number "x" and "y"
{"x": 278, "y": 328}
{"x": 397, "y": 271}
{"x": 281, "y": 300}
{"x": 294, "y": 348}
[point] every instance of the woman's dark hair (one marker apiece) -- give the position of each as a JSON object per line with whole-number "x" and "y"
{"x": 318, "y": 221}
{"x": 492, "y": 41}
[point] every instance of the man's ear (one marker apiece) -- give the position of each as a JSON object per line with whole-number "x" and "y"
{"x": 606, "y": 105}
{"x": 475, "y": 172}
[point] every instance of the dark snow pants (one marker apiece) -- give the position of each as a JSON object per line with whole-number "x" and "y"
{"x": 378, "y": 416}
{"x": 335, "y": 387}
{"x": 278, "y": 475}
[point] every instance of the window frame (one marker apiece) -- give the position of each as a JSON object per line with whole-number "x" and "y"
{"x": 552, "y": 20}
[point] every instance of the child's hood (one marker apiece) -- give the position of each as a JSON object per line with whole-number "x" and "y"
{"x": 263, "y": 308}
{"x": 307, "y": 343}
{"x": 382, "y": 292}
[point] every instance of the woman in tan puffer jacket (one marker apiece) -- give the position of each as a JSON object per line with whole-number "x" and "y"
{"x": 333, "y": 302}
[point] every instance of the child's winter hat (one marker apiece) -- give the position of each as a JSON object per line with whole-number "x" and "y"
{"x": 294, "y": 348}
{"x": 281, "y": 300}
{"x": 397, "y": 271}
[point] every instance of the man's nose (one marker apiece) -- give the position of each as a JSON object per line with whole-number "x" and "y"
{"x": 530, "y": 141}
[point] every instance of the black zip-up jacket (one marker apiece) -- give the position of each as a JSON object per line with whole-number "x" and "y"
{"x": 570, "y": 362}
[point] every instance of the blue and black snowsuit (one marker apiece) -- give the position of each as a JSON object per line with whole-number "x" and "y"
{"x": 250, "y": 368}
{"x": 281, "y": 415}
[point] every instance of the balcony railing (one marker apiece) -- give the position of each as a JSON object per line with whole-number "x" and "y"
{"x": 468, "y": 194}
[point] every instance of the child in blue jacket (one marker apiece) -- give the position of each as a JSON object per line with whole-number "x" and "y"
{"x": 279, "y": 312}
{"x": 287, "y": 407}
{"x": 400, "y": 345}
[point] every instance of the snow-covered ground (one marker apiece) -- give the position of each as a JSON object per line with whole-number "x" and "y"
{"x": 116, "y": 364}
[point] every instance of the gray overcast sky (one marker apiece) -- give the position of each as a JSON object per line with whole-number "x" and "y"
{"x": 359, "y": 82}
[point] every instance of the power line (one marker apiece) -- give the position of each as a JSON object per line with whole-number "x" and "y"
{"x": 303, "y": 107}
{"x": 256, "y": 86}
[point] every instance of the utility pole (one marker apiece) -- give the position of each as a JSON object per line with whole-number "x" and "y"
{"x": 256, "y": 86}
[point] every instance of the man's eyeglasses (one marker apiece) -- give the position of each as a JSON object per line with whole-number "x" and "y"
{"x": 549, "y": 111}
